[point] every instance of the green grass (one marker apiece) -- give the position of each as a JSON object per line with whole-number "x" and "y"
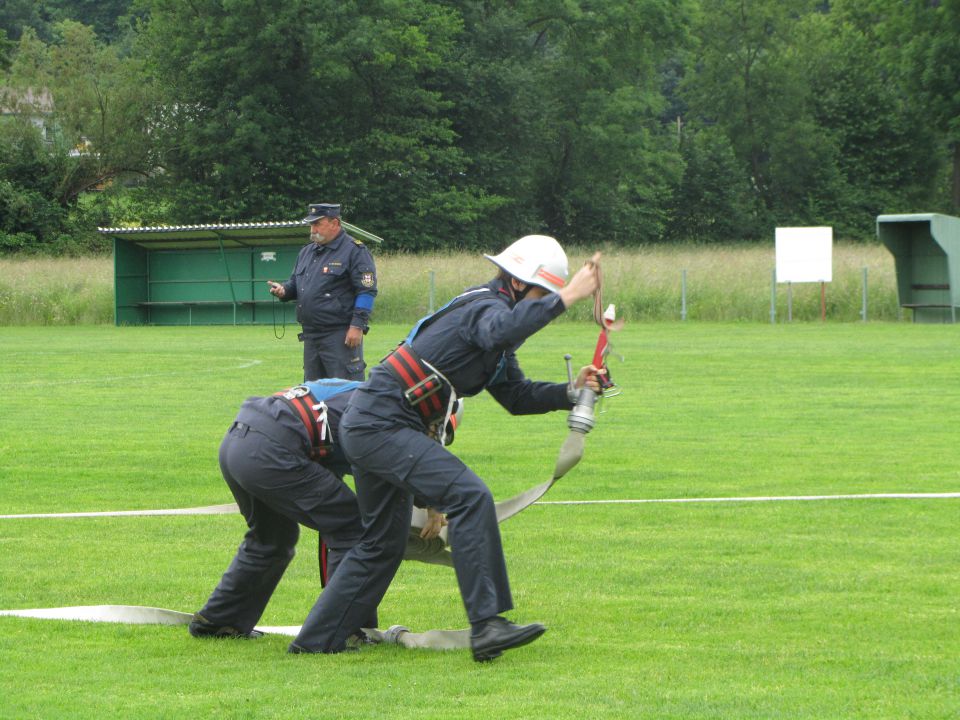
{"x": 820, "y": 609}
{"x": 724, "y": 283}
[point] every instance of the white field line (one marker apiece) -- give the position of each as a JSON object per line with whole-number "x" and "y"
{"x": 232, "y": 508}
{"x": 771, "y": 498}
{"x": 208, "y": 510}
{"x": 244, "y": 364}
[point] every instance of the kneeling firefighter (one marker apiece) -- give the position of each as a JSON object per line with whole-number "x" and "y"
{"x": 281, "y": 463}
{"x": 467, "y": 346}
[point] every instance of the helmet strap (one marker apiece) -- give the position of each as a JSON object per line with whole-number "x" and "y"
{"x": 519, "y": 295}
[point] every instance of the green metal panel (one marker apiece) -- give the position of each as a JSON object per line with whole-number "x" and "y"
{"x": 926, "y": 250}
{"x": 206, "y": 274}
{"x": 130, "y": 283}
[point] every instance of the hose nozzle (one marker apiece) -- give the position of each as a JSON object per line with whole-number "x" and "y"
{"x": 580, "y": 418}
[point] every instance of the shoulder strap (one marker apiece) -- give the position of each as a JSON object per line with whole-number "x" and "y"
{"x": 458, "y": 301}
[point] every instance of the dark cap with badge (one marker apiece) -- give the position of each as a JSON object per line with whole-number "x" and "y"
{"x": 321, "y": 210}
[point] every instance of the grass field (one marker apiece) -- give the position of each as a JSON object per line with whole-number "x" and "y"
{"x": 792, "y": 609}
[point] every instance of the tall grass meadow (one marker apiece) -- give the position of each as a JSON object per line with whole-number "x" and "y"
{"x": 727, "y": 283}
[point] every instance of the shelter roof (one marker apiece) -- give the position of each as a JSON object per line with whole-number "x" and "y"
{"x": 229, "y": 235}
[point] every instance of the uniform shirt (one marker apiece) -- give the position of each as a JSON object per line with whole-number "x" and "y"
{"x": 333, "y": 284}
{"x": 273, "y": 417}
{"x": 474, "y": 347}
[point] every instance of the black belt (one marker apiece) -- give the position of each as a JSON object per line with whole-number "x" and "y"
{"x": 424, "y": 388}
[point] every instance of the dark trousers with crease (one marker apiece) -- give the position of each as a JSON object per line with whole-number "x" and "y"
{"x": 392, "y": 463}
{"x": 277, "y": 489}
{"x": 326, "y": 356}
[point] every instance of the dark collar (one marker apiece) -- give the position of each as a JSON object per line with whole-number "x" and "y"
{"x": 501, "y": 289}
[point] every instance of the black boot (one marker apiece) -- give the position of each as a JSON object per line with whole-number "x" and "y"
{"x": 488, "y": 639}
{"x": 200, "y": 627}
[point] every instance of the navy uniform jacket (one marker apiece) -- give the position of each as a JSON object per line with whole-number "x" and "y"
{"x": 474, "y": 347}
{"x": 273, "y": 417}
{"x": 333, "y": 284}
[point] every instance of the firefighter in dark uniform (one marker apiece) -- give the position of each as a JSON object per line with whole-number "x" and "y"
{"x": 284, "y": 469}
{"x": 466, "y": 347}
{"x": 334, "y": 283}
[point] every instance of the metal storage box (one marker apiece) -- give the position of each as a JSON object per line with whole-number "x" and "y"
{"x": 926, "y": 250}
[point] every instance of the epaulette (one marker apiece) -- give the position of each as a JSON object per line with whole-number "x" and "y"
{"x": 358, "y": 243}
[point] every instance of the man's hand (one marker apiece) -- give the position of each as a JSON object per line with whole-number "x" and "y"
{"x": 277, "y": 289}
{"x": 583, "y": 284}
{"x": 588, "y": 376}
{"x": 354, "y": 337}
{"x": 435, "y": 522}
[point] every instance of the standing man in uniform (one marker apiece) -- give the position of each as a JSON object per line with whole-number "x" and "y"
{"x": 334, "y": 283}
{"x": 467, "y": 346}
{"x": 281, "y": 463}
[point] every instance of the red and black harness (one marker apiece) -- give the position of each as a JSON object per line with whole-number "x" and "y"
{"x": 424, "y": 388}
{"x": 314, "y": 420}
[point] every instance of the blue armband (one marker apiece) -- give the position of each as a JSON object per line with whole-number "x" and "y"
{"x": 364, "y": 301}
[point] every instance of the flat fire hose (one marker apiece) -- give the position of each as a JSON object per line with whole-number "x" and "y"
{"x": 140, "y": 615}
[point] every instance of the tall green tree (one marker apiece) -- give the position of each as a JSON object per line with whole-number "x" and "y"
{"x": 713, "y": 202}
{"x": 325, "y": 101}
{"x": 933, "y": 62}
{"x": 19, "y": 15}
{"x": 101, "y": 15}
{"x": 387, "y": 143}
{"x": 238, "y": 97}
{"x": 747, "y": 82}
{"x": 885, "y": 153}
{"x": 610, "y": 164}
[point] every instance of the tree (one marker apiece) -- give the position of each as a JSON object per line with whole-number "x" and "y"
{"x": 933, "y": 59}
{"x": 100, "y": 15}
{"x": 390, "y": 139}
{"x": 233, "y": 134}
{"x": 714, "y": 202}
{"x": 886, "y": 157}
{"x": 326, "y": 101}
{"x": 101, "y": 106}
{"x": 16, "y": 16}
{"x": 748, "y": 83}
{"x": 608, "y": 167}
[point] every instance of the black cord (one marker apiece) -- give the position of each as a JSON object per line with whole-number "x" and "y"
{"x": 283, "y": 316}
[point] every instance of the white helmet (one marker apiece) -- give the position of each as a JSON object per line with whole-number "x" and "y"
{"x": 535, "y": 260}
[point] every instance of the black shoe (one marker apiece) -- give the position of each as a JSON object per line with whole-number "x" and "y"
{"x": 200, "y": 627}
{"x": 498, "y": 634}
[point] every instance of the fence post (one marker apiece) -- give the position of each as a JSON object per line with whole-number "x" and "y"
{"x": 683, "y": 294}
{"x": 863, "y": 304}
{"x": 773, "y": 296}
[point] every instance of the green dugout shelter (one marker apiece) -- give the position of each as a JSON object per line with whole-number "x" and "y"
{"x": 926, "y": 251}
{"x": 206, "y": 274}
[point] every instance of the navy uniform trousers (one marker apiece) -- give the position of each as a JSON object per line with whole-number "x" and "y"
{"x": 326, "y": 356}
{"x": 277, "y": 487}
{"x": 398, "y": 463}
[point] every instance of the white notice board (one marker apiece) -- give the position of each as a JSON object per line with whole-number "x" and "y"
{"x": 804, "y": 254}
